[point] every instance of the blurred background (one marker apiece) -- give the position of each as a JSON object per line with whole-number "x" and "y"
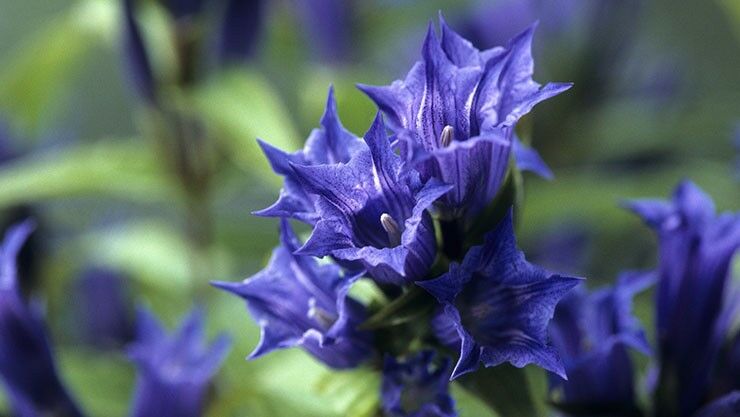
{"x": 142, "y": 184}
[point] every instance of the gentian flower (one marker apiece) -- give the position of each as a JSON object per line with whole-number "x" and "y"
{"x": 455, "y": 113}
{"x": 696, "y": 249}
{"x": 328, "y": 26}
{"x": 27, "y": 363}
{"x": 136, "y": 57}
{"x": 417, "y": 387}
{"x": 727, "y": 406}
{"x": 331, "y": 144}
{"x": 173, "y": 371}
{"x": 373, "y": 210}
{"x": 496, "y": 306}
{"x": 239, "y": 31}
{"x": 299, "y": 302}
{"x": 592, "y": 333}
{"x": 103, "y": 309}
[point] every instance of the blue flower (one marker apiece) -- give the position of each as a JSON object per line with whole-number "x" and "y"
{"x": 417, "y": 387}
{"x": 328, "y": 26}
{"x": 373, "y": 210}
{"x": 103, "y": 310}
{"x": 592, "y": 333}
{"x": 135, "y": 55}
{"x": 299, "y": 302}
{"x": 239, "y": 31}
{"x": 696, "y": 249}
{"x": 496, "y": 306}
{"x": 26, "y": 361}
{"x": 727, "y": 406}
{"x": 456, "y": 110}
{"x": 331, "y": 144}
{"x": 173, "y": 371}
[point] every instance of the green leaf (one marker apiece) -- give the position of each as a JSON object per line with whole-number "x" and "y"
{"x": 413, "y": 304}
{"x": 468, "y": 405}
{"x": 505, "y": 389}
{"x": 33, "y": 78}
{"x": 733, "y": 9}
{"x": 241, "y": 107}
{"x": 101, "y": 382}
{"x": 124, "y": 169}
{"x": 155, "y": 253}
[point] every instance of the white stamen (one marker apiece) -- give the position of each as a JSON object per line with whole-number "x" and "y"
{"x": 447, "y": 135}
{"x": 391, "y": 228}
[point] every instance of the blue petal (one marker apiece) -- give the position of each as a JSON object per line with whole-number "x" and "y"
{"x": 240, "y": 27}
{"x": 727, "y": 406}
{"x": 298, "y": 302}
{"x": 500, "y": 305}
{"x": 528, "y": 159}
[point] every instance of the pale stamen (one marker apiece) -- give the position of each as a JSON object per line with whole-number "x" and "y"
{"x": 391, "y": 228}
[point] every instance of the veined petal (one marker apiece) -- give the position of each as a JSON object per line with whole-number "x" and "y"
{"x": 500, "y": 305}
{"x": 299, "y": 302}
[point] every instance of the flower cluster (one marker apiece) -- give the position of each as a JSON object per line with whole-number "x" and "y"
{"x": 174, "y": 372}
{"x": 27, "y": 364}
{"x": 438, "y": 152}
{"x": 696, "y": 301}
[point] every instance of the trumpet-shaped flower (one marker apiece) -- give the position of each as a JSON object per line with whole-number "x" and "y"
{"x": 175, "y": 370}
{"x": 299, "y": 302}
{"x": 27, "y": 365}
{"x": 696, "y": 249}
{"x": 373, "y": 210}
{"x": 331, "y": 144}
{"x": 496, "y": 306}
{"x": 592, "y": 333}
{"x": 455, "y": 113}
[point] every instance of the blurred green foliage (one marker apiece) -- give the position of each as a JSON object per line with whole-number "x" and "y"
{"x": 103, "y": 194}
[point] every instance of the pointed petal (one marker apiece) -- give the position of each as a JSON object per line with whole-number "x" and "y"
{"x": 528, "y": 159}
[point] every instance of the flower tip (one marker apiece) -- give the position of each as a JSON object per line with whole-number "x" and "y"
{"x": 232, "y": 287}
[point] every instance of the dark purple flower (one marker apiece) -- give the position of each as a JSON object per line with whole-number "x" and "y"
{"x": 26, "y": 361}
{"x": 240, "y": 28}
{"x": 135, "y": 55}
{"x": 299, "y": 302}
{"x": 592, "y": 333}
{"x": 417, "y": 387}
{"x": 330, "y": 144}
{"x": 696, "y": 249}
{"x": 527, "y": 159}
{"x": 496, "y": 306}
{"x": 373, "y": 210}
{"x": 727, "y": 406}
{"x": 173, "y": 370}
{"x": 103, "y": 308}
{"x": 456, "y": 110}
{"x": 328, "y": 26}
